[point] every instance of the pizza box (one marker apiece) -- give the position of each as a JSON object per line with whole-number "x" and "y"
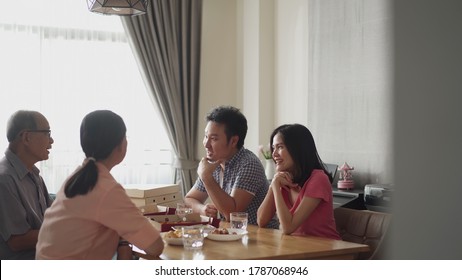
{"x": 151, "y": 190}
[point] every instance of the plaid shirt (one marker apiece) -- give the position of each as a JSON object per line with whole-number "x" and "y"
{"x": 244, "y": 171}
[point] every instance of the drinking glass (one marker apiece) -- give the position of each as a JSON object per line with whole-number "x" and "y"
{"x": 182, "y": 209}
{"x": 193, "y": 237}
{"x": 239, "y": 220}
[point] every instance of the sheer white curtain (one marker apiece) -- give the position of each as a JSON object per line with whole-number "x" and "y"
{"x": 350, "y": 85}
{"x": 59, "y": 59}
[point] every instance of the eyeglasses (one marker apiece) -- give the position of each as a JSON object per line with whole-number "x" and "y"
{"x": 46, "y": 131}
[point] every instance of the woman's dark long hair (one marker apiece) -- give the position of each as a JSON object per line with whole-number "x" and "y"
{"x": 301, "y": 147}
{"x": 100, "y": 133}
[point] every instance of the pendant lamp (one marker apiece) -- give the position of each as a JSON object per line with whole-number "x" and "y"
{"x": 118, "y": 7}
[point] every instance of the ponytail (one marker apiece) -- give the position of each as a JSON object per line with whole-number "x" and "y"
{"x": 82, "y": 181}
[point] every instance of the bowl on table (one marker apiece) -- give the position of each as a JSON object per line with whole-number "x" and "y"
{"x": 228, "y": 234}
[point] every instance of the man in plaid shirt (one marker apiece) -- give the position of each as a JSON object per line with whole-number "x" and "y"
{"x": 232, "y": 176}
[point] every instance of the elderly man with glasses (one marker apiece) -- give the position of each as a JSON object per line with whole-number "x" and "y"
{"x": 23, "y": 194}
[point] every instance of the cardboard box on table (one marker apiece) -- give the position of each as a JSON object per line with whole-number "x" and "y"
{"x": 158, "y": 204}
{"x": 159, "y": 194}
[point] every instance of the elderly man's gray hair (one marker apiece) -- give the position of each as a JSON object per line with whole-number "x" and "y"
{"x": 20, "y": 120}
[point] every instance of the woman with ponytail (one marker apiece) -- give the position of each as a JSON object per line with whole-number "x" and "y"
{"x": 92, "y": 217}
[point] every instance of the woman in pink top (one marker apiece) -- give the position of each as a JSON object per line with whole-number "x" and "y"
{"x": 92, "y": 217}
{"x": 301, "y": 190}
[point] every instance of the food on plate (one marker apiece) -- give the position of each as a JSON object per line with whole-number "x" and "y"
{"x": 173, "y": 234}
{"x": 221, "y": 231}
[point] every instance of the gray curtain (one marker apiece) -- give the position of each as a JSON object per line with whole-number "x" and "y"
{"x": 166, "y": 42}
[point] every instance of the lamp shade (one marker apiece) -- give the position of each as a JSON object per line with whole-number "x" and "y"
{"x": 118, "y": 7}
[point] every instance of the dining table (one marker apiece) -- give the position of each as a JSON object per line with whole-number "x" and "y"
{"x": 264, "y": 244}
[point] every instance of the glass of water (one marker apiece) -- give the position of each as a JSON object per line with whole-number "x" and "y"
{"x": 239, "y": 220}
{"x": 182, "y": 209}
{"x": 193, "y": 237}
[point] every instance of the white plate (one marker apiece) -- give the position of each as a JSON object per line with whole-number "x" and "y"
{"x": 206, "y": 228}
{"x": 228, "y": 237}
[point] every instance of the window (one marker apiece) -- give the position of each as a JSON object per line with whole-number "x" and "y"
{"x": 58, "y": 58}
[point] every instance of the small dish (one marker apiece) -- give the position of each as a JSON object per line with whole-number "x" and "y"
{"x": 234, "y": 234}
{"x": 174, "y": 241}
{"x": 172, "y": 238}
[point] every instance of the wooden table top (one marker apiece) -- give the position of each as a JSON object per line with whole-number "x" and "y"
{"x": 263, "y": 243}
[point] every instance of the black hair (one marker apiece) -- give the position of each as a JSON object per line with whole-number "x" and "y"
{"x": 100, "y": 133}
{"x": 234, "y": 121}
{"x": 300, "y": 144}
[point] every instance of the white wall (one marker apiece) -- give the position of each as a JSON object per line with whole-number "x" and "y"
{"x": 218, "y": 84}
{"x": 257, "y": 74}
{"x": 291, "y": 67}
{"x": 238, "y": 63}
